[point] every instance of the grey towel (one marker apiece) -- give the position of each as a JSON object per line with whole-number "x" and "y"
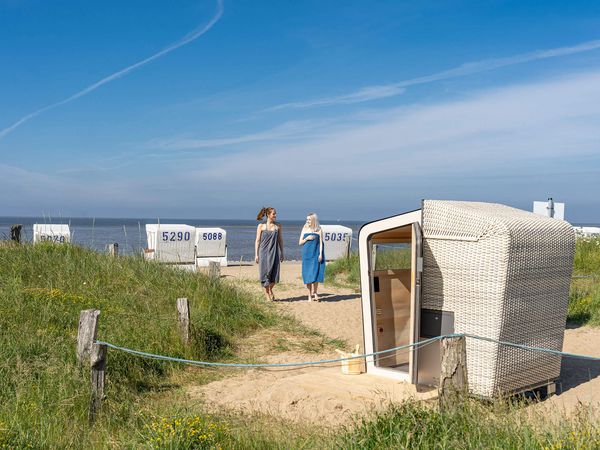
{"x": 268, "y": 257}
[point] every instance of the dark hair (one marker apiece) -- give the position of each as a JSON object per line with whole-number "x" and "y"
{"x": 265, "y": 211}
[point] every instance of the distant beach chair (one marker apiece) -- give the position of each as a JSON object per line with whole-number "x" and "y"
{"x": 51, "y": 232}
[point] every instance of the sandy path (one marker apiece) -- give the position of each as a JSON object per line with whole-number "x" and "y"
{"x": 323, "y": 395}
{"x": 337, "y": 315}
{"x": 320, "y": 395}
{"x": 579, "y": 384}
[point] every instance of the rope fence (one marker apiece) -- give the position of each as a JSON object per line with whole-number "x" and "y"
{"x": 337, "y": 360}
{"x": 266, "y": 365}
{"x": 453, "y": 376}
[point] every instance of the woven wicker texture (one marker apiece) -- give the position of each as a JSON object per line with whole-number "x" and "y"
{"x": 505, "y": 273}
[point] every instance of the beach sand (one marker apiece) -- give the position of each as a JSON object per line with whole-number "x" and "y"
{"x": 325, "y": 396}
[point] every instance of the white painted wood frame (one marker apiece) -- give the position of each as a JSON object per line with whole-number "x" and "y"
{"x": 367, "y": 294}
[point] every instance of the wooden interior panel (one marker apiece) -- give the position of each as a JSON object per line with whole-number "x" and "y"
{"x": 392, "y": 314}
{"x": 395, "y": 235}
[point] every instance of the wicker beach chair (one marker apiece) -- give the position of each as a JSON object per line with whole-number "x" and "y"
{"x": 505, "y": 274}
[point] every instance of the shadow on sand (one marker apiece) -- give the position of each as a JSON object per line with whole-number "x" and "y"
{"x": 324, "y": 298}
{"x": 575, "y": 371}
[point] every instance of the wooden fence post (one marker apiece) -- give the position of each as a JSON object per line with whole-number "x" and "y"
{"x": 183, "y": 316}
{"x": 86, "y": 334}
{"x": 98, "y": 368}
{"x": 15, "y": 233}
{"x": 113, "y": 249}
{"x": 453, "y": 375}
{"x": 214, "y": 269}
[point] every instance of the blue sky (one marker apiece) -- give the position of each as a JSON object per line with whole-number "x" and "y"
{"x": 354, "y": 109}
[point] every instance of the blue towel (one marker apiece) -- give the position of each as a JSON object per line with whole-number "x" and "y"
{"x": 312, "y": 270}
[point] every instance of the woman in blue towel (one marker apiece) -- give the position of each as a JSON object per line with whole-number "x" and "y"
{"x": 313, "y": 256}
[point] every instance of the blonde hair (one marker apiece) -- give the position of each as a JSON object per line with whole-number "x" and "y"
{"x": 265, "y": 211}
{"x": 313, "y": 221}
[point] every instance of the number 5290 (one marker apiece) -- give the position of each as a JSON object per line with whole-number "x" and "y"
{"x": 174, "y": 236}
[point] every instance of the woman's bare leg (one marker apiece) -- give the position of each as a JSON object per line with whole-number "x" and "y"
{"x": 271, "y": 291}
{"x": 309, "y": 287}
{"x": 315, "y": 287}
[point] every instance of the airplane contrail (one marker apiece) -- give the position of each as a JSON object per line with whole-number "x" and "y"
{"x": 191, "y": 36}
{"x": 369, "y": 93}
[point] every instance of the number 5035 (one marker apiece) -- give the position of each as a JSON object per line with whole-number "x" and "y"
{"x": 336, "y": 236}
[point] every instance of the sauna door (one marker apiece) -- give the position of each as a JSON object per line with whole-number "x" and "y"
{"x": 396, "y": 266}
{"x": 415, "y": 298}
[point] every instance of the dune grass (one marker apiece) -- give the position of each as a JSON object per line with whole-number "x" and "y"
{"x": 407, "y": 425}
{"x": 587, "y": 256}
{"x": 584, "y": 299}
{"x": 44, "y": 394}
{"x": 346, "y": 271}
{"x": 584, "y": 302}
{"x": 475, "y": 425}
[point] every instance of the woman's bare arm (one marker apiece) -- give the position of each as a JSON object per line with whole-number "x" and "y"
{"x": 321, "y": 245}
{"x": 257, "y": 242}
{"x": 302, "y": 241}
{"x": 280, "y": 241}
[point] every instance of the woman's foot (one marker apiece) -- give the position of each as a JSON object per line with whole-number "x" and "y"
{"x": 272, "y": 297}
{"x": 316, "y": 297}
{"x": 309, "y": 297}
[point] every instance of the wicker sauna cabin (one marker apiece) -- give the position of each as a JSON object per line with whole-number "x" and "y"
{"x": 477, "y": 268}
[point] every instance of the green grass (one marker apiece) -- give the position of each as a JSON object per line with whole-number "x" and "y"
{"x": 584, "y": 298}
{"x": 413, "y": 425}
{"x": 584, "y": 302}
{"x": 392, "y": 258}
{"x": 587, "y": 256}
{"x": 44, "y": 394}
{"x": 345, "y": 271}
{"x": 408, "y": 425}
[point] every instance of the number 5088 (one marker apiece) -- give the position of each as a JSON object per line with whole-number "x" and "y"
{"x": 212, "y": 236}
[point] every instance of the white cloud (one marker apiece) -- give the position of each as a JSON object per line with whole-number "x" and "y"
{"x": 512, "y": 145}
{"x": 18, "y": 178}
{"x": 498, "y": 130}
{"x": 364, "y": 94}
{"x": 377, "y": 92}
{"x": 287, "y": 130}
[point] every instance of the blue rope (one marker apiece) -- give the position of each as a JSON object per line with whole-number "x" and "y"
{"x": 329, "y": 361}
{"x": 535, "y": 349}
{"x": 297, "y": 364}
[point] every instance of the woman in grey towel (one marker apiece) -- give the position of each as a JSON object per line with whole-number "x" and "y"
{"x": 268, "y": 250}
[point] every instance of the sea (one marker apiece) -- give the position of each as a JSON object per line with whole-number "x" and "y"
{"x": 130, "y": 234}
